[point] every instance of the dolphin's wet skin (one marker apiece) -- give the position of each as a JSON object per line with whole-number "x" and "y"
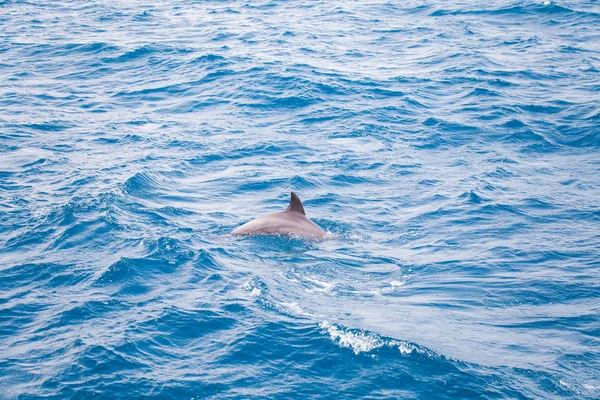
{"x": 451, "y": 148}
{"x": 292, "y": 221}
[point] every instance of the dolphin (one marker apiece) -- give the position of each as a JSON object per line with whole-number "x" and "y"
{"x": 292, "y": 221}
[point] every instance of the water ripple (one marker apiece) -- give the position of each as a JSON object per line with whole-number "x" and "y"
{"x": 449, "y": 149}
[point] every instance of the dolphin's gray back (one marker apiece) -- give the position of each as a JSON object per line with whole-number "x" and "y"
{"x": 292, "y": 221}
{"x": 285, "y": 222}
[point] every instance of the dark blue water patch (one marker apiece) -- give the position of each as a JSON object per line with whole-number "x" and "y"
{"x": 155, "y": 93}
{"x": 143, "y": 184}
{"x": 204, "y": 261}
{"x": 71, "y": 49}
{"x": 47, "y": 97}
{"x": 226, "y": 73}
{"x": 54, "y": 126}
{"x": 501, "y": 173}
{"x": 16, "y": 317}
{"x": 279, "y": 102}
{"x": 326, "y": 116}
{"x": 541, "y": 109}
{"x": 262, "y": 185}
{"x": 145, "y": 51}
{"x": 103, "y": 362}
{"x": 473, "y": 198}
{"x": 166, "y": 252}
{"x": 36, "y": 274}
{"x": 77, "y": 208}
{"x": 539, "y": 204}
{"x": 482, "y": 92}
{"x": 383, "y": 93}
{"x": 186, "y": 144}
{"x": 532, "y": 141}
{"x": 174, "y": 211}
{"x": 344, "y": 180}
{"x": 581, "y": 138}
{"x": 429, "y": 182}
{"x": 519, "y": 9}
{"x": 84, "y": 232}
{"x": 393, "y": 368}
{"x": 133, "y": 276}
{"x": 27, "y": 239}
{"x": 210, "y": 59}
{"x": 94, "y": 70}
{"x": 301, "y": 183}
{"x": 514, "y": 123}
{"x": 449, "y": 148}
{"x": 438, "y": 138}
{"x": 144, "y": 16}
{"x": 180, "y": 326}
{"x": 80, "y": 313}
{"x": 278, "y": 243}
{"x": 204, "y": 160}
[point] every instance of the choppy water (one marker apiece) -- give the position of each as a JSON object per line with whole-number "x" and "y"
{"x": 452, "y": 148}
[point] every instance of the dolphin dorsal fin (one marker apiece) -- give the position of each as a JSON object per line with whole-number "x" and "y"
{"x": 295, "y": 204}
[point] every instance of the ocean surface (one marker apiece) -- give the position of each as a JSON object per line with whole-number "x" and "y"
{"x": 450, "y": 148}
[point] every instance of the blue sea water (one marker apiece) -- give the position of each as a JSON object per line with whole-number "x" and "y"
{"x": 451, "y": 148}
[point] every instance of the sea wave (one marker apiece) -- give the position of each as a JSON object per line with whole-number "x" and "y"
{"x": 449, "y": 150}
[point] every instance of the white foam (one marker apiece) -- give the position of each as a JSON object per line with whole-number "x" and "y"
{"x": 254, "y": 291}
{"x": 330, "y": 235}
{"x": 293, "y": 308}
{"x": 405, "y": 347}
{"x": 324, "y": 287}
{"x": 580, "y": 389}
{"x": 364, "y": 342}
{"x": 359, "y": 342}
{"x": 393, "y": 285}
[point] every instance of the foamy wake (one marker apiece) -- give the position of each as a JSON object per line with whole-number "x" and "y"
{"x": 261, "y": 295}
{"x": 363, "y": 342}
{"x": 582, "y": 389}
